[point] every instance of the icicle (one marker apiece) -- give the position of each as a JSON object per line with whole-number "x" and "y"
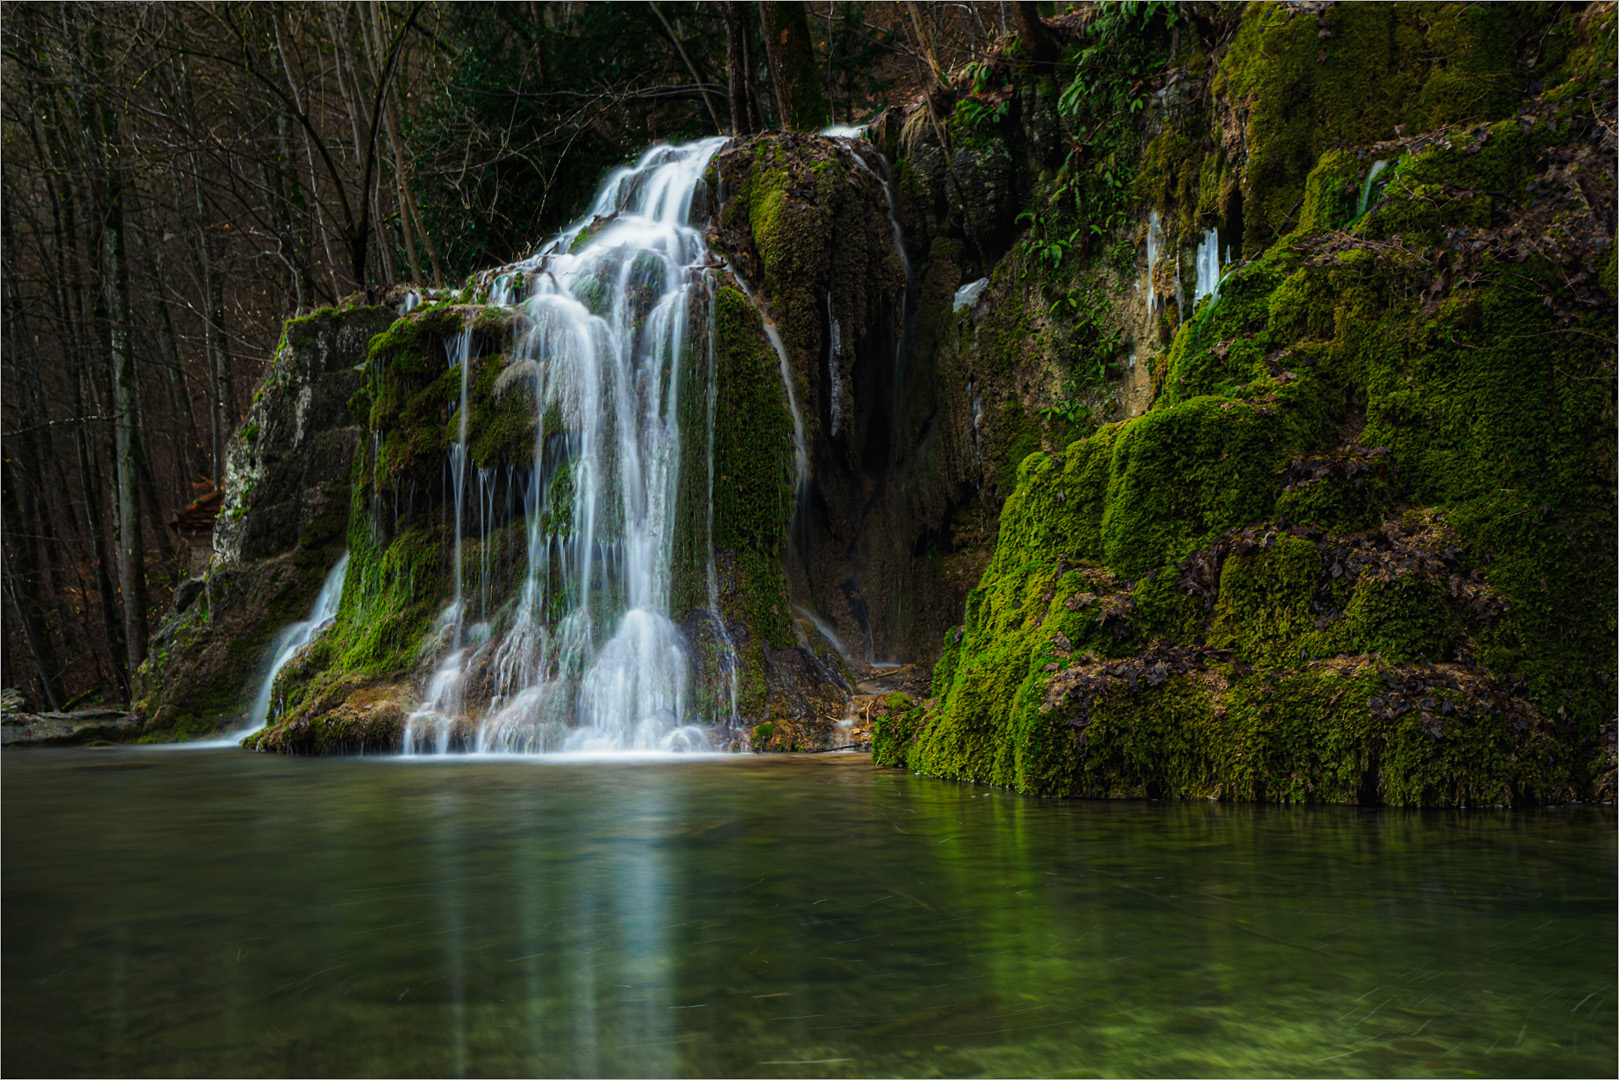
{"x": 1208, "y": 266}
{"x": 968, "y": 294}
{"x": 1155, "y": 242}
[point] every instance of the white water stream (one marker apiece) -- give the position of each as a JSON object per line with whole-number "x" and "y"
{"x": 289, "y": 643}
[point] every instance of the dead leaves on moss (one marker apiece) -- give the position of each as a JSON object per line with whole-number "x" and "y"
{"x": 1077, "y": 687}
{"x": 1383, "y": 555}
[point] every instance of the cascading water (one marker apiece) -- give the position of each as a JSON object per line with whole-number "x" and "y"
{"x": 291, "y": 641}
{"x": 590, "y": 659}
{"x": 445, "y": 697}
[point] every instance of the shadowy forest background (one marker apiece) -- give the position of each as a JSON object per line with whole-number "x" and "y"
{"x": 179, "y": 178}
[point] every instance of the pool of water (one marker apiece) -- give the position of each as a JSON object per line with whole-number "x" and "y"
{"x": 224, "y": 913}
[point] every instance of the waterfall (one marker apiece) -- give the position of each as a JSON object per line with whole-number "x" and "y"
{"x": 590, "y": 658}
{"x": 291, "y": 641}
{"x": 834, "y": 370}
{"x": 614, "y": 320}
{"x": 444, "y": 690}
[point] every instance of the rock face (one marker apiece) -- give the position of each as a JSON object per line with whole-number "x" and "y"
{"x": 283, "y": 525}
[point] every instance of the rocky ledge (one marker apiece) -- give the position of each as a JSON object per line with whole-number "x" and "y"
{"x": 69, "y": 728}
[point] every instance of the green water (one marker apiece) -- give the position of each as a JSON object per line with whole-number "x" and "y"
{"x": 222, "y": 913}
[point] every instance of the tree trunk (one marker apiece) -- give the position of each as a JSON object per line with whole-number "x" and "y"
{"x": 691, "y": 69}
{"x": 1033, "y": 35}
{"x": 121, "y": 358}
{"x": 750, "y": 65}
{"x": 34, "y": 637}
{"x": 773, "y": 59}
{"x": 926, "y": 42}
{"x": 371, "y": 31}
{"x": 187, "y": 438}
{"x": 798, "y": 79}
{"x": 22, "y": 547}
{"x": 93, "y": 502}
{"x": 736, "y": 66}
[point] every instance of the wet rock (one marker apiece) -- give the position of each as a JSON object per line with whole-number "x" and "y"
{"x": 68, "y": 729}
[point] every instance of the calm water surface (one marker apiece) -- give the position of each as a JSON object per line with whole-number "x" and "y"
{"x": 223, "y": 913}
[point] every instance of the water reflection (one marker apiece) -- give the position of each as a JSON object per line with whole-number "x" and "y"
{"x": 241, "y": 914}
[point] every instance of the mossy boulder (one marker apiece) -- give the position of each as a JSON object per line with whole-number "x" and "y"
{"x": 284, "y": 522}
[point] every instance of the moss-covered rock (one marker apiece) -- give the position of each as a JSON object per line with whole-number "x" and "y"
{"x": 283, "y": 524}
{"x": 1360, "y": 547}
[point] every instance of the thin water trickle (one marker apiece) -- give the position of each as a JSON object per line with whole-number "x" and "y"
{"x": 825, "y": 631}
{"x": 1368, "y": 187}
{"x": 290, "y": 642}
{"x": 855, "y": 136}
{"x": 800, "y": 440}
{"x": 728, "y": 658}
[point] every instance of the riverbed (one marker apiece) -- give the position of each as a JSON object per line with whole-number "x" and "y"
{"x": 224, "y": 913}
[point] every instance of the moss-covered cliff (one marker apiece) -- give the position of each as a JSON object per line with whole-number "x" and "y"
{"x": 1359, "y": 546}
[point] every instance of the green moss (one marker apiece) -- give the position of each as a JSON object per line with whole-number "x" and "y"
{"x": 414, "y": 343}
{"x": 1181, "y": 474}
{"x": 557, "y": 514}
{"x": 1171, "y": 178}
{"x": 1414, "y": 66}
{"x": 391, "y": 597}
{"x": 502, "y": 424}
{"x": 893, "y": 735}
{"x": 753, "y": 463}
{"x": 1331, "y": 192}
